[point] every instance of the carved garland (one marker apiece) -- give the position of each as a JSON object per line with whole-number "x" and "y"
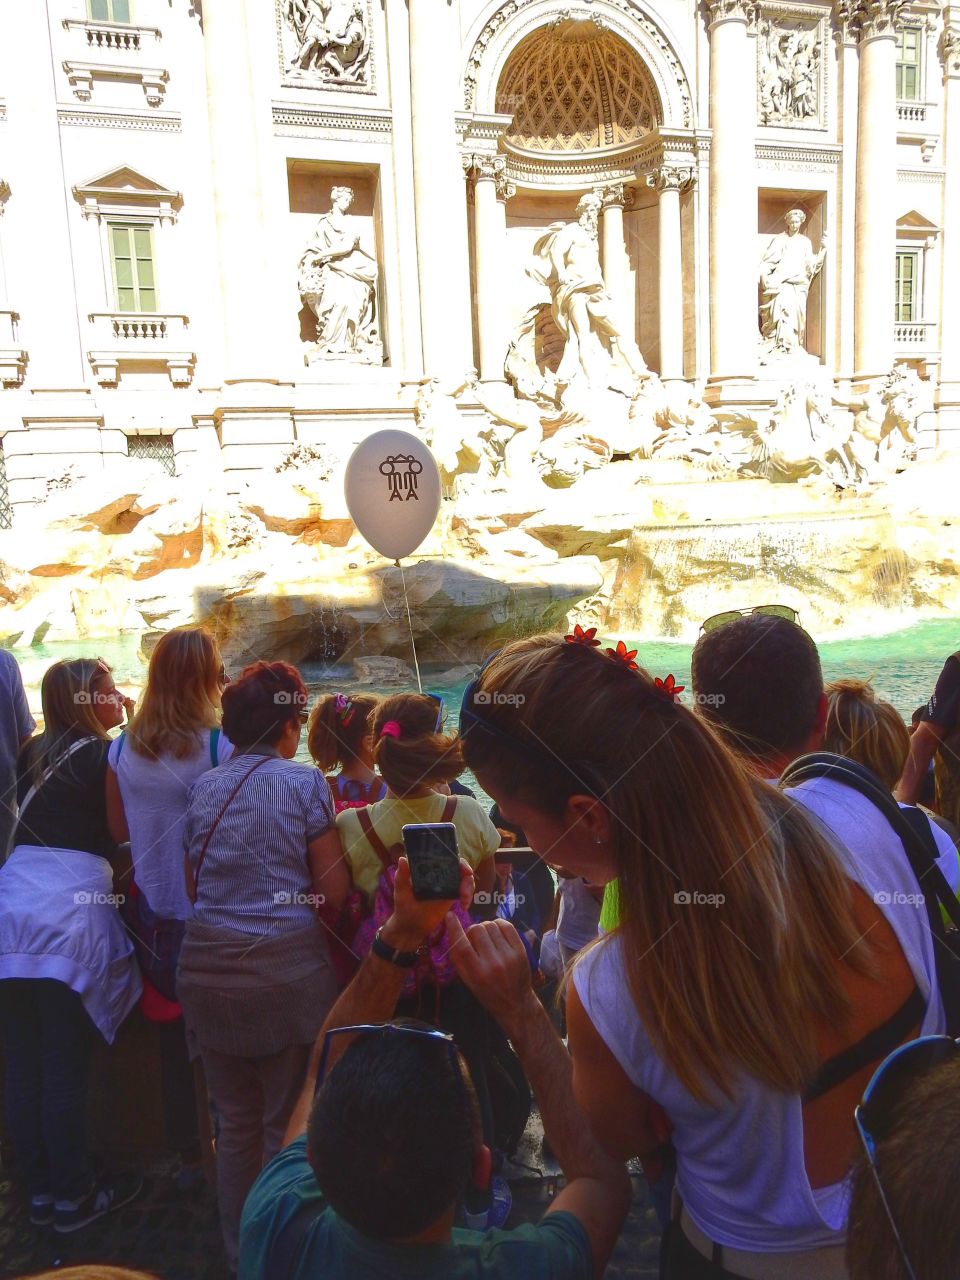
{"x": 635, "y": 16}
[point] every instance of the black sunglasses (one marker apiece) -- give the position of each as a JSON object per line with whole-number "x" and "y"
{"x": 874, "y": 1113}
{"x": 767, "y": 610}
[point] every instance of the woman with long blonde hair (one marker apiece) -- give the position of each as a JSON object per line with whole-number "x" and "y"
{"x": 67, "y": 970}
{"x": 746, "y": 960}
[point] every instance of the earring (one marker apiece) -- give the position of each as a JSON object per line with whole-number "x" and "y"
{"x": 599, "y": 840}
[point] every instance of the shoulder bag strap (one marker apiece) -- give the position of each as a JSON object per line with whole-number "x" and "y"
{"x": 216, "y": 822}
{"x": 51, "y": 770}
{"x": 379, "y": 848}
{"x": 448, "y": 809}
{"x": 214, "y": 748}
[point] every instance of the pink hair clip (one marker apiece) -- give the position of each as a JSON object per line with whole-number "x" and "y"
{"x": 391, "y": 729}
{"x": 344, "y": 709}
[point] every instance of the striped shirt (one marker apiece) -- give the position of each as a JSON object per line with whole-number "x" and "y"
{"x": 255, "y": 877}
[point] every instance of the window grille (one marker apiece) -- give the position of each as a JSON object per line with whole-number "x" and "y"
{"x": 155, "y": 449}
{"x": 6, "y": 511}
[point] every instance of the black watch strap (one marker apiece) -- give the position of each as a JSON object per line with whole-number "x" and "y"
{"x": 402, "y": 959}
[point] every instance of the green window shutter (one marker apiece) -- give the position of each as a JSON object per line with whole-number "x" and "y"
{"x": 906, "y": 282}
{"x": 131, "y": 248}
{"x": 120, "y": 10}
{"x": 908, "y": 64}
{"x": 98, "y": 10}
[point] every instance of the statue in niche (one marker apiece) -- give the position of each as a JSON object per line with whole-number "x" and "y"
{"x": 788, "y": 74}
{"x": 597, "y": 355}
{"x": 338, "y": 282}
{"x": 333, "y": 43}
{"x": 786, "y": 270}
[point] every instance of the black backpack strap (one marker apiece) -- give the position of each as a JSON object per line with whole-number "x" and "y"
{"x": 873, "y": 1047}
{"x": 286, "y": 1248}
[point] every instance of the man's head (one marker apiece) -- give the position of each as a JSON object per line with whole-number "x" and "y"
{"x": 918, "y": 1163}
{"x": 758, "y": 680}
{"x": 394, "y": 1135}
{"x": 588, "y": 210}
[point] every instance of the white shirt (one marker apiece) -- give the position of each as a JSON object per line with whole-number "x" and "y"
{"x": 155, "y": 794}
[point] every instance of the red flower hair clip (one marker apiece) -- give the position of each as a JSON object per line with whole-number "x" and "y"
{"x": 586, "y": 638}
{"x": 669, "y": 688}
{"x": 622, "y": 654}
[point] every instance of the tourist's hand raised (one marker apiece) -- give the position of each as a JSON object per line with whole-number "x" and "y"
{"x": 491, "y": 960}
{"x": 413, "y": 918}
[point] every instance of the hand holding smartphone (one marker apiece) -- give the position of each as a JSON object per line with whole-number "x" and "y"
{"x": 433, "y": 855}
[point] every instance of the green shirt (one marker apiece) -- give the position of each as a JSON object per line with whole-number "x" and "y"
{"x": 555, "y": 1249}
{"x": 610, "y": 911}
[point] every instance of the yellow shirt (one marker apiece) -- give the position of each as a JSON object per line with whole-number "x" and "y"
{"x": 477, "y": 837}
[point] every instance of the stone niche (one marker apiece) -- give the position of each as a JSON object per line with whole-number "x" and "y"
{"x": 310, "y": 186}
{"x": 773, "y": 206}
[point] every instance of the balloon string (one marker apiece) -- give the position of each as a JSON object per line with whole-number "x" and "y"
{"x": 413, "y": 646}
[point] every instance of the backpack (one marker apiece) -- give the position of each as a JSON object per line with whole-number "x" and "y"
{"x": 913, "y": 828}
{"x": 434, "y": 966}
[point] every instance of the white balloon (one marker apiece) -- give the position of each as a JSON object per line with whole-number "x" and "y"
{"x": 392, "y": 488}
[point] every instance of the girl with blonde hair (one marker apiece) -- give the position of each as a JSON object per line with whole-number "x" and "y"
{"x": 340, "y": 734}
{"x": 67, "y": 970}
{"x": 747, "y": 957}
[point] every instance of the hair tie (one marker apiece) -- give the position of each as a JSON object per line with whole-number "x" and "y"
{"x": 344, "y": 709}
{"x": 391, "y": 729}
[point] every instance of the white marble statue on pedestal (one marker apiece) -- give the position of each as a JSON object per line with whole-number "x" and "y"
{"x": 787, "y": 269}
{"x": 338, "y": 282}
{"x": 597, "y": 356}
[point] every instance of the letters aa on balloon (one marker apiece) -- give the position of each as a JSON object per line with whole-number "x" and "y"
{"x": 392, "y": 488}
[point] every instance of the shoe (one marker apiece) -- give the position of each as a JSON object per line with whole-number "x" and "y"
{"x": 41, "y": 1210}
{"x": 104, "y": 1197}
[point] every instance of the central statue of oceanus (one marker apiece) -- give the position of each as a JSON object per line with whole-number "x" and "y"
{"x": 597, "y": 354}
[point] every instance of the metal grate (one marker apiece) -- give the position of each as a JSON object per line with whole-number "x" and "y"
{"x": 6, "y": 511}
{"x": 155, "y": 448}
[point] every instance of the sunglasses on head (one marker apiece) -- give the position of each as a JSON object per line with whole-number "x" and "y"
{"x": 438, "y": 699}
{"x": 731, "y": 615}
{"x": 388, "y": 1029}
{"x": 875, "y": 1112}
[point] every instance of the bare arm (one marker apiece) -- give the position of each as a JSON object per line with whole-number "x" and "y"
{"x": 116, "y": 816}
{"x": 926, "y": 738}
{"x": 491, "y": 960}
{"x": 372, "y": 995}
{"x": 329, "y": 869}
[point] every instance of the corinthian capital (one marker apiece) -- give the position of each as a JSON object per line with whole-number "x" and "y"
{"x": 615, "y": 194}
{"x": 480, "y": 167}
{"x": 950, "y": 46}
{"x": 731, "y": 10}
{"x": 879, "y": 18}
{"x": 672, "y": 177}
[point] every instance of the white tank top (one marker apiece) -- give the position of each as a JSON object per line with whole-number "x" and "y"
{"x": 740, "y": 1166}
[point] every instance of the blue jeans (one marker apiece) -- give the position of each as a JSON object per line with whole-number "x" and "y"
{"x": 48, "y": 1039}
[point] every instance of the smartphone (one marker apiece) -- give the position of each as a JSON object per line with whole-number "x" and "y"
{"x": 431, "y": 849}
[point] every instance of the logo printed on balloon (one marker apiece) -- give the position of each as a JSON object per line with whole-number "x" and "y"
{"x": 399, "y": 479}
{"x": 392, "y": 488}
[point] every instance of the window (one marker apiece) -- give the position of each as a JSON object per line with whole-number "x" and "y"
{"x": 907, "y": 306}
{"x": 108, "y": 10}
{"x": 131, "y": 251}
{"x": 155, "y": 449}
{"x": 908, "y": 64}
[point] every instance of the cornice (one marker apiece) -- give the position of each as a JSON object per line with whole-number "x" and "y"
{"x": 293, "y": 121}
{"x": 104, "y": 118}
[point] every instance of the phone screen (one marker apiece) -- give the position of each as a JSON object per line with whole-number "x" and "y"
{"x": 431, "y": 849}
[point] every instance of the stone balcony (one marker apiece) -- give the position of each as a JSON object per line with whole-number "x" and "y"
{"x": 142, "y": 338}
{"x": 914, "y": 113}
{"x": 13, "y": 359}
{"x": 111, "y": 37}
{"x": 81, "y": 75}
{"x": 919, "y": 334}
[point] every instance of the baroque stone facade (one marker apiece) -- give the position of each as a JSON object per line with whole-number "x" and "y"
{"x": 178, "y": 258}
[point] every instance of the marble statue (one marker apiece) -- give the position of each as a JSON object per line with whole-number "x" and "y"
{"x": 597, "y": 355}
{"x": 788, "y": 73}
{"x": 786, "y": 270}
{"x": 332, "y": 40}
{"x": 338, "y": 282}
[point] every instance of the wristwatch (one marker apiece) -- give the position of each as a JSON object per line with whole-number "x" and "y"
{"x": 402, "y": 959}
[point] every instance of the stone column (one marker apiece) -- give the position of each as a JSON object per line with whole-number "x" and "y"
{"x": 734, "y": 319}
{"x": 614, "y": 258}
{"x": 244, "y": 284}
{"x": 950, "y": 291}
{"x": 489, "y": 226}
{"x": 669, "y": 180}
{"x": 848, "y": 71}
{"x": 439, "y": 197}
{"x": 876, "y": 218}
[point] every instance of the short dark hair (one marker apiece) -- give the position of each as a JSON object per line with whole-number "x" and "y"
{"x": 758, "y": 679}
{"x": 392, "y": 1133}
{"x": 919, "y": 1165}
{"x": 259, "y": 704}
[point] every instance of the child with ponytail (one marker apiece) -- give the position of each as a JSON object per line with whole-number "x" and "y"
{"x": 340, "y": 733}
{"x": 415, "y": 759}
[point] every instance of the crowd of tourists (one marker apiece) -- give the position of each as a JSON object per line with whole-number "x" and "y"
{"x": 742, "y": 969}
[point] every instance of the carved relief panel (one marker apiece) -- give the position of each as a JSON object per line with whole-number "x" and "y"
{"x": 791, "y": 67}
{"x": 326, "y": 44}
